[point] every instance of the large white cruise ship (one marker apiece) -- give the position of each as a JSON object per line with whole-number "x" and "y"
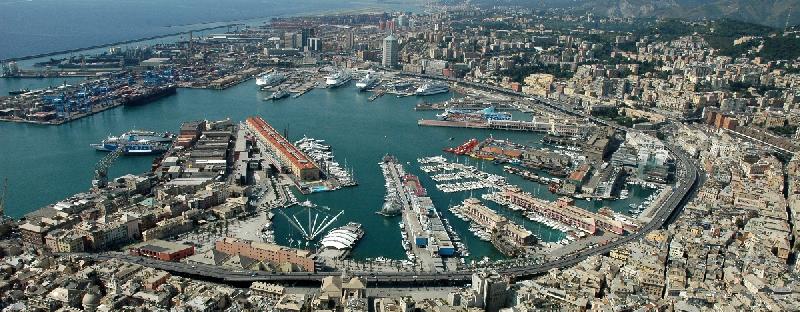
{"x": 367, "y": 82}
{"x": 339, "y": 78}
{"x": 267, "y": 80}
{"x": 432, "y": 88}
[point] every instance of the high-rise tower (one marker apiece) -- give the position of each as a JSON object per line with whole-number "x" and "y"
{"x": 390, "y": 48}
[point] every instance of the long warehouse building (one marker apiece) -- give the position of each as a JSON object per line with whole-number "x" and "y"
{"x": 564, "y": 211}
{"x": 301, "y": 165}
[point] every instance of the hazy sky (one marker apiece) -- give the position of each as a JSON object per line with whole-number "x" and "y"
{"x": 36, "y": 26}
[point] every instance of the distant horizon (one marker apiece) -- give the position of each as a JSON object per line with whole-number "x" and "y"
{"x": 31, "y": 27}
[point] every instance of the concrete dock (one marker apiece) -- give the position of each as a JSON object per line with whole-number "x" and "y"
{"x": 556, "y": 126}
{"x": 426, "y": 259}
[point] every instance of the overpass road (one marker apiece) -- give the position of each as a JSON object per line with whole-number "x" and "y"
{"x": 687, "y": 180}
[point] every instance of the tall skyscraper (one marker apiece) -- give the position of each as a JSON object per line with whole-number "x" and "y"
{"x": 402, "y": 21}
{"x": 314, "y": 44}
{"x": 290, "y": 40}
{"x": 306, "y": 33}
{"x": 390, "y": 51}
{"x": 351, "y": 42}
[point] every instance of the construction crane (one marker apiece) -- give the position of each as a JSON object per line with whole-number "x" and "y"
{"x": 101, "y": 169}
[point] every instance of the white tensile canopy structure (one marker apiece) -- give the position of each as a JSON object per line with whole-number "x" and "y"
{"x": 339, "y": 239}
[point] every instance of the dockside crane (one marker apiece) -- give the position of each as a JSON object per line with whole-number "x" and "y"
{"x": 101, "y": 169}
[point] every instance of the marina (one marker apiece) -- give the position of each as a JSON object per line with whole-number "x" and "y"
{"x": 459, "y": 177}
{"x": 571, "y": 233}
{"x": 392, "y": 201}
{"x": 391, "y": 119}
{"x": 427, "y": 237}
{"x": 508, "y": 237}
{"x": 533, "y": 157}
{"x": 321, "y": 154}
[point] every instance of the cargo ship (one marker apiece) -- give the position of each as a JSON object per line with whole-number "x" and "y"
{"x": 148, "y": 95}
{"x": 464, "y": 148}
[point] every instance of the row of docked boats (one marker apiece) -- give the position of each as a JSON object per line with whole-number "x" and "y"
{"x": 553, "y": 224}
{"x": 406, "y": 242}
{"x": 136, "y": 142}
{"x": 636, "y": 210}
{"x": 531, "y": 176}
{"x": 458, "y": 177}
{"x": 498, "y": 198}
{"x": 392, "y": 172}
{"x": 469, "y": 185}
{"x": 461, "y": 248}
{"x": 476, "y": 229}
{"x": 322, "y": 156}
{"x": 267, "y": 232}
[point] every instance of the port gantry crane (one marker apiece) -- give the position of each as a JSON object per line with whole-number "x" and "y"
{"x": 101, "y": 169}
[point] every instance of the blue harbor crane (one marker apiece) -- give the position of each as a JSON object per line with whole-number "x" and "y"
{"x": 59, "y": 103}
